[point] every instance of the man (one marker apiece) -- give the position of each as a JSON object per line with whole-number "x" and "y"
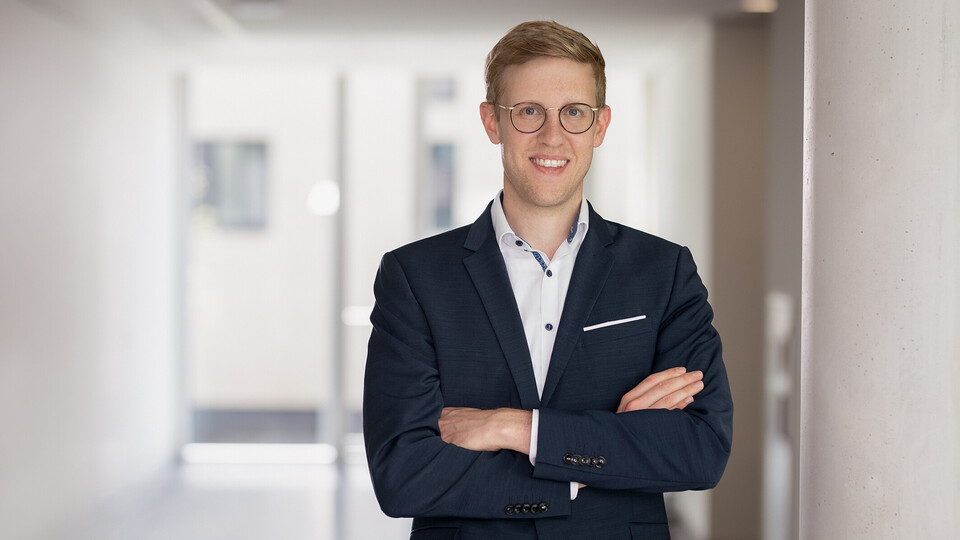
{"x": 542, "y": 373}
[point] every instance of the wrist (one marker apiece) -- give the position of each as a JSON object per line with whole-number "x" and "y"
{"x": 515, "y": 429}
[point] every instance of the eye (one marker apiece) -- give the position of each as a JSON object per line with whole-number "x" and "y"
{"x": 529, "y": 110}
{"x": 577, "y": 111}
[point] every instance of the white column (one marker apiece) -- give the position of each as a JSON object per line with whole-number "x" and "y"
{"x": 880, "y": 413}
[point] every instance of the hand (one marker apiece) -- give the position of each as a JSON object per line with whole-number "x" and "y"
{"x": 669, "y": 389}
{"x": 486, "y": 430}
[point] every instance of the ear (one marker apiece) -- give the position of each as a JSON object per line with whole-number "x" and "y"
{"x": 488, "y": 115}
{"x": 603, "y": 121}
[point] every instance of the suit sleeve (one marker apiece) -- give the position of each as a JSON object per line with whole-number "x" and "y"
{"x": 415, "y": 473}
{"x": 652, "y": 450}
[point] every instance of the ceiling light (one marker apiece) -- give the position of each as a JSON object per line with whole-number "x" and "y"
{"x": 758, "y": 6}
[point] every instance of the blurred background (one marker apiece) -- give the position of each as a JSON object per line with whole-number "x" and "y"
{"x": 196, "y": 194}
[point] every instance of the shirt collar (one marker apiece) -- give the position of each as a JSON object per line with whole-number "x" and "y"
{"x": 502, "y": 228}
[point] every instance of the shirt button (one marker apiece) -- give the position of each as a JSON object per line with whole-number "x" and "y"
{"x": 549, "y": 327}
{"x": 549, "y": 273}
{"x": 519, "y": 243}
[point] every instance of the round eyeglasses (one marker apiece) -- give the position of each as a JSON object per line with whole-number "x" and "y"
{"x": 575, "y": 118}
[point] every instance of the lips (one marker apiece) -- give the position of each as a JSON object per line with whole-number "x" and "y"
{"x": 550, "y": 163}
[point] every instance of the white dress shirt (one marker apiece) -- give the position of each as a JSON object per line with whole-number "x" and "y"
{"x": 540, "y": 288}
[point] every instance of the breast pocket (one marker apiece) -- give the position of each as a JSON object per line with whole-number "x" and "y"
{"x": 610, "y": 360}
{"x": 615, "y": 329}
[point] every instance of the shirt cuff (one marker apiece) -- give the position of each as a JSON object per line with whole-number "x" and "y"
{"x": 534, "y": 430}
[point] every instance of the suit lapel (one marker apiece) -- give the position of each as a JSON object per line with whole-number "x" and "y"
{"x": 489, "y": 274}
{"x": 590, "y": 273}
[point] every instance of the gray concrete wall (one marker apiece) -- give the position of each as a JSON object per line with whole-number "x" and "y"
{"x": 880, "y": 417}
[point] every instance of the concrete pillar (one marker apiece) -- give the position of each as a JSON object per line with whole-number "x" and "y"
{"x": 880, "y": 413}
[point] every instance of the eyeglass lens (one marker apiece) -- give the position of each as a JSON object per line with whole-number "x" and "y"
{"x": 530, "y": 117}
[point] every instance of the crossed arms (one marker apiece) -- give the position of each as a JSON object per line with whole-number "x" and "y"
{"x": 489, "y": 430}
{"x": 429, "y": 459}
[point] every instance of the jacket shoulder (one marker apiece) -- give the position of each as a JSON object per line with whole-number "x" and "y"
{"x": 430, "y": 246}
{"x": 628, "y": 239}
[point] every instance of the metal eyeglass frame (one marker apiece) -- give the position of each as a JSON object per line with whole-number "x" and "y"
{"x": 559, "y": 116}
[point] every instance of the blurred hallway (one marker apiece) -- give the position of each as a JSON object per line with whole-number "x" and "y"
{"x": 145, "y": 295}
{"x": 147, "y": 292}
{"x": 803, "y": 150}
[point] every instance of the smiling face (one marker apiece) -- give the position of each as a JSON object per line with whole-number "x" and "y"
{"x": 544, "y": 170}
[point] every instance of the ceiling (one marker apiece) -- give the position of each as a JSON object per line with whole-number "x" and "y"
{"x": 311, "y": 16}
{"x": 176, "y": 20}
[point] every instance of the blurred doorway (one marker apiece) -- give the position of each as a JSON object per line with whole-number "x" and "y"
{"x": 261, "y": 260}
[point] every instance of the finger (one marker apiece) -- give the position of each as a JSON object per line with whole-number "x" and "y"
{"x": 448, "y": 411}
{"x": 673, "y": 400}
{"x": 659, "y": 391}
{"x": 680, "y": 406}
{"x": 650, "y": 382}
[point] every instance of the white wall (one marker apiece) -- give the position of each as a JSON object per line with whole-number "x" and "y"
{"x": 260, "y": 301}
{"x": 87, "y": 287}
{"x": 653, "y": 170}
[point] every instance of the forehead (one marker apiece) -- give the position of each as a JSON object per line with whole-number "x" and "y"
{"x": 550, "y": 81}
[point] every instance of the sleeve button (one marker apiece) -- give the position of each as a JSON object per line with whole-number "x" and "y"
{"x": 601, "y": 462}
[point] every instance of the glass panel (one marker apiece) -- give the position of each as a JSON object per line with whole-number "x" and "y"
{"x": 233, "y": 187}
{"x": 439, "y": 187}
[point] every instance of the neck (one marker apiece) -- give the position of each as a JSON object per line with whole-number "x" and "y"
{"x": 544, "y": 228}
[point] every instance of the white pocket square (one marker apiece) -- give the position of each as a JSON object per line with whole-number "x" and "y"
{"x": 611, "y": 323}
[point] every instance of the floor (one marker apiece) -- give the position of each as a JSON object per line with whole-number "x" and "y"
{"x": 221, "y": 502}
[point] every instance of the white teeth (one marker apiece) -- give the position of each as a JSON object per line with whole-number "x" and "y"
{"x": 552, "y": 163}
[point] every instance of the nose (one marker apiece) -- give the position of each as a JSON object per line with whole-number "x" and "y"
{"x": 551, "y": 134}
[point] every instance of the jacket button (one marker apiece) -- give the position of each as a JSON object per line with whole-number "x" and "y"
{"x": 593, "y": 461}
{"x": 526, "y": 508}
{"x": 543, "y": 507}
{"x": 601, "y": 462}
{"x": 509, "y": 510}
{"x": 584, "y": 460}
{"x": 568, "y": 459}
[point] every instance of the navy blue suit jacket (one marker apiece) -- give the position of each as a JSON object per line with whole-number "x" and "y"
{"x": 447, "y": 332}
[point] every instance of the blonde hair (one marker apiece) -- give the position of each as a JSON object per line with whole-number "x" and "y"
{"x": 533, "y": 39}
